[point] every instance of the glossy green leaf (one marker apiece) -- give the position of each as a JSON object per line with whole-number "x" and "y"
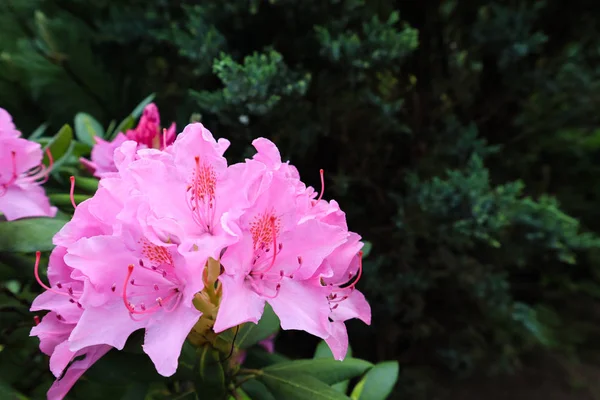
{"x": 257, "y": 358}
{"x": 86, "y": 128}
{"x": 139, "y": 109}
{"x": 39, "y": 131}
{"x": 60, "y": 146}
{"x": 367, "y": 249}
{"x": 257, "y": 390}
{"x": 240, "y": 395}
{"x": 293, "y": 386}
{"x": 323, "y": 351}
{"x": 110, "y": 129}
{"x": 29, "y": 235}
{"x": 328, "y": 371}
{"x": 90, "y": 185}
{"x": 118, "y": 368}
{"x": 127, "y": 123}
{"x": 81, "y": 149}
{"x": 210, "y": 375}
{"x": 378, "y": 383}
{"x": 250, "y": 334}
{"x": 63, "y": 199}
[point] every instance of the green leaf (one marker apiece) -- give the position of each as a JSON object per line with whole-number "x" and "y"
{"x": 241, "y": 395}
{"x": 257, "y": 358}
{"x": 88, "y": 184}
{"x": 326, "y": 370}
{"x": 109, "y": 129}
{"x": 81, "y": 149}
{"x": 367, "y": 249}
{"x": 250, "y": 334}
{"x": 63, "y": 199}
{"x": 29, "y": 235}
{"x": 59, "y": 146}
{"x": 210, "y": 377}
{"x": 378, "y": 383}
{"x": 292, "y": 386}
{"x": 86, "y": 128}
{"x": 257, "y": 390}
{"x": 139, "y": 109}
{"x": 119, "y": 368}
{"x": 127, "y": 123}
{"x": 38, "y": 132}
{"x": 323, "y": 351}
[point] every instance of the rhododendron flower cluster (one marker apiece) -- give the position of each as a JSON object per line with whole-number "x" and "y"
{"x": 141, "y": 254}
{"x": 21, "y": 174}
{"x": 147, "y": 134}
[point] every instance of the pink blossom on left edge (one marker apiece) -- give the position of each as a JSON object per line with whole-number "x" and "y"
{"x": 62, "y": 300}
{"x": 21, "y": 174}
{"x": 147, "y": 134}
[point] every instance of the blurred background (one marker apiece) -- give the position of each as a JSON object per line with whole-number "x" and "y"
{"x": 461, "y": 138}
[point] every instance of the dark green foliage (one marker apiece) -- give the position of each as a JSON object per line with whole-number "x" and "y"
{"x": 461, "y": 138}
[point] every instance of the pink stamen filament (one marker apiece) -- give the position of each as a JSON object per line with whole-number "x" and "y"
{"x": 321, "y": 172}
{"x": 36, "y": 272}
{"x": 71, "y": 192}
{"x": 160, "y": 302}
{"x": 125, "y": 301}
{"x": 34, "y": 175}
{"x": 263, "y": 294}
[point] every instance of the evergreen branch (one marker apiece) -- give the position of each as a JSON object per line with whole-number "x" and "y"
{"x": 63, "y": 64}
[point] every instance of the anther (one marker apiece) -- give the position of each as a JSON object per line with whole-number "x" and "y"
{"x": 36, "y": 320}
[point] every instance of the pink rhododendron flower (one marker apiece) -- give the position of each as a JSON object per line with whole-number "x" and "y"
{"x": 62, "y": 300}
{"x": 136, "y": 284}
{"x": 194, "y": 197}
{"x": 147, "y": 134}
{"x": 21, "y": 173}
{"x": 295, "y": 253}
{"x": 135, "y": 255}
{"x": 277, "y": 256}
